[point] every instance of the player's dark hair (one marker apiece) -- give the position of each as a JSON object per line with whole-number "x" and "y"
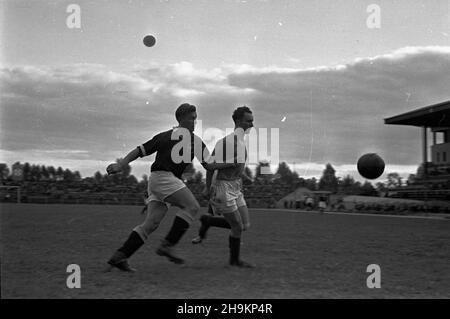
{"x": 184, "y": 109}
{"x": 238, "y": 113}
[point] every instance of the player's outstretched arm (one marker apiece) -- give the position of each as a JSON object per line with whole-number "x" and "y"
{"x": 134, "y": 154}
{"x": 209, "y": 163}
{"x": 118, "y": 167}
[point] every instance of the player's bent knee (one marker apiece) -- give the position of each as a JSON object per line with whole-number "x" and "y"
{"x": 236, "y": 233}
{"x": 193, "y": 209}
{"x": 236, "y": 228}
{"x": 151, "y": 227}
{"x": 142, "y": 231}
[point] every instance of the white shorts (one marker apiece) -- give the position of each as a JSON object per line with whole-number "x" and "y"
{"x": 226, "y": 196}
{"x": 162, "y": 184}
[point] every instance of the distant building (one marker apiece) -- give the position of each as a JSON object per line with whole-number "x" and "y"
{"x": 433, "y": 178}
{"x": 299, "y": 198}
{"x": 437, "y": 119}
{"x": 296, "y": 199}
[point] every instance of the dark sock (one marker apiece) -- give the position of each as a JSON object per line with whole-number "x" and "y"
{"x": 220, "y": 222}
{"x": 177, "y": 231}
{"x": 235, "y": 247}
{"x": 204, "y": 226}
{"x": 210, "y": 210}
{"x": 214, "y": 221}
{"x": 133, "y": 243}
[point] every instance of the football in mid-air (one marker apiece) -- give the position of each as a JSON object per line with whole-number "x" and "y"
{"x": 370, "y": 166}
{"x": 149, "y": 40}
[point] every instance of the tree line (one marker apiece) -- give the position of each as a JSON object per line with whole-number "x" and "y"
{"x": 283, "y": 176}
{"x": 36, "y": 173}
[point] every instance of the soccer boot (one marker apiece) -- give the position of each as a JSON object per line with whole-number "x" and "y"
{"x": 119, "y": 261}
{"x": 166, "y": 250}
{"x": 241, "y": 264}
{"x": 202, "y": 231}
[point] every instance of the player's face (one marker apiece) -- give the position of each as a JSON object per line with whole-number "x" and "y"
{"x": 246, "y": 123}
{"x": 189, "y": 121}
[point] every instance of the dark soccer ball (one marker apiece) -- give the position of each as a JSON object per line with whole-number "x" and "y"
{"x": 370, "y": 166}
{"x": 149, "y": 40}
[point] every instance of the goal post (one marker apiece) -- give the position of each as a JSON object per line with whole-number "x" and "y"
{"x": 10, "y": 194}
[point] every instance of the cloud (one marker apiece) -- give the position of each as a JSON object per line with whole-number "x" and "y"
{"x": 334, "y": 113}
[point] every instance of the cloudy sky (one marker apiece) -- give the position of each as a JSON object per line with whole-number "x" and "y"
{"x": 81, "y": 97}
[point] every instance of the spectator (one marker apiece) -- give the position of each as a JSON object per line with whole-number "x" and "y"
{"x": 322, "y": 204}
{"x": 309, "y": 203}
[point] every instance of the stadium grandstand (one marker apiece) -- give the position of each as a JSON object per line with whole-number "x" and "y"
{"x": 432, "y": 181}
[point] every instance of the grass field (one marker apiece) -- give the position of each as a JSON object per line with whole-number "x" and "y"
{"x": 298, "y": 255}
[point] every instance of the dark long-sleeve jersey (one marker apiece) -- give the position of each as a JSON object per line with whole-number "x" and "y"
{"x": 171, "y": 147}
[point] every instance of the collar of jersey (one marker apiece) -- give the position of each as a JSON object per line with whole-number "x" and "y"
{"x": 178, "y": 127}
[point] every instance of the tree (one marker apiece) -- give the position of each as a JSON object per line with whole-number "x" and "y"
{"x": 4, "y": 172}
{"x": 328, "y": 181}
{"x": 381, "y": 189}
{"x": 26, "y": 171}
{"x": 59, "y": 173}
{"x": 189, "y": 172}
{"x": 198, "y": 177}
{"x": 67, "y": 175}
{"x": 44, "y": 173}
{"x": 286, "y": 175}
{"x": 51, "y": 172}
{"x": 298, "y": 181}
{"x": 394, "y": 180}
{"x": 144, "y": 182}
{"x": 367, "y": 189}
{"x": 98, "y": 177}
{"x": 131, "y": 180}
{"x": 77, "y": 176}
{"x": 311, "y": 184}
{"x": 35, "y": 174}
{"x": 347, "y": 185}
{"x": 411, "y": 179}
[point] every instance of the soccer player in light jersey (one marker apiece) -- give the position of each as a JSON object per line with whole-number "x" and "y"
{"x": 226, "y": 196}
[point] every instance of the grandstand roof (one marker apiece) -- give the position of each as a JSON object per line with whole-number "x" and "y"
{"x": 437, "y": 115}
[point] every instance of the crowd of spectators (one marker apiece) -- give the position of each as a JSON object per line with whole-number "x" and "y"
{"x": 49, "y": 185}
{"x": 128, "y": 192}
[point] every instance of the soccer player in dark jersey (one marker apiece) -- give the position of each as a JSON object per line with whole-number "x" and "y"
{"x": 175, "y": 149}
{"x": 226, "y": 195}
